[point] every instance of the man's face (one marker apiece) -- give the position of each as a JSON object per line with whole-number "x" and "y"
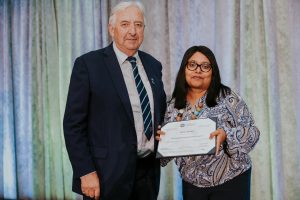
{"x": 128, "y": 30}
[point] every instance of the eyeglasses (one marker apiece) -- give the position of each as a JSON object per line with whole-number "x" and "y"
{"x": 204, "y": 67}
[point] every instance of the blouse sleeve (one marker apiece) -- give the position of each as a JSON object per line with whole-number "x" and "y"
{"x": 242, "y": 134}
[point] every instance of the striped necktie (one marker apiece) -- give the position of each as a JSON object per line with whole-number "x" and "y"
{"x": 144, "y": 100}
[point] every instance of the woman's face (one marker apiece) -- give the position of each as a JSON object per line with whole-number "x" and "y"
{"x": 197, "y": 79}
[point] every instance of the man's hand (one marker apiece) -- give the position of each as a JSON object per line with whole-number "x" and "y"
{"x": 90, "y": 185}
{"x": 220, "y": 136}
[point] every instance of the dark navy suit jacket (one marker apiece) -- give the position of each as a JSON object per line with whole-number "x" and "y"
{"x": 98, "y": 122}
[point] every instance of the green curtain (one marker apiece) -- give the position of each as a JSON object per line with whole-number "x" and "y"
{"x": 39, "y": 42}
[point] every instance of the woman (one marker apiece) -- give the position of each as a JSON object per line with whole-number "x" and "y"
{"x": 199, "y": 93}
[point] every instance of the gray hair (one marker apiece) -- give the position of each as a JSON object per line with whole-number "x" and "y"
{"x": 122, "y": 6}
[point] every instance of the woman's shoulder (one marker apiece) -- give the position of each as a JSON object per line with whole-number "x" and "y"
{"x": 171, "y": 102}
{"x": 232, "y": 95}
{"x": 171, "y": 105}
{"x": 233, "y": 98}
{"x": 171, "y": 111}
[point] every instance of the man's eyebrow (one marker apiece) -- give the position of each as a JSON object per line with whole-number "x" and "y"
{"x": 137, "y": 21}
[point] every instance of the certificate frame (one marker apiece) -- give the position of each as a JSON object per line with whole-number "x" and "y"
{"x": 187, "y": 138}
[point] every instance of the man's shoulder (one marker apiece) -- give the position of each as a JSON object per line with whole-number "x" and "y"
{"x": 94, "y": 53}
{"x": 97, "y": 51}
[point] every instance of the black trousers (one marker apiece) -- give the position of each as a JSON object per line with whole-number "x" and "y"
{"x": 144, "y": 187}
{"x": 145, "y": 179}
{"x": 236, "y": 189}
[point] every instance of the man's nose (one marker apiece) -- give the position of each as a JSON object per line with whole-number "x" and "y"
{"x": 132, "y": 29}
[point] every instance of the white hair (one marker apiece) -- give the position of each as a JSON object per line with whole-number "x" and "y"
{"x": 122, "y": 6}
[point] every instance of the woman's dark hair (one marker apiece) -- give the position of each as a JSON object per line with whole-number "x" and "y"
{"x": 215, "y": 88}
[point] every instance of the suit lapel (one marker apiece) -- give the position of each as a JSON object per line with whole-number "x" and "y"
{"x": 116, "y": 75}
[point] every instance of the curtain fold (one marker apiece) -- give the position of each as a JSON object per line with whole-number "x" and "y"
{"x": 39, "y": 42}
{"x": 256, "y": 44}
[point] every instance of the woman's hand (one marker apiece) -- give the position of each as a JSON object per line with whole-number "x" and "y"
{"x": 220, "y": 137}
{"x": 159, "y": 133}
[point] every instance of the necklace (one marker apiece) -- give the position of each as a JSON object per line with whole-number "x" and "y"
{"x": 194, "y": 114}
{"x": 198, "y": 110}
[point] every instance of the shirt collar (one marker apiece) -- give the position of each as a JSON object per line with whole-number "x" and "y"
{"x": 122, "y": 56}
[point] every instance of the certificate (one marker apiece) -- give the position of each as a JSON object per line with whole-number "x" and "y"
{"x": 186, "y": 138}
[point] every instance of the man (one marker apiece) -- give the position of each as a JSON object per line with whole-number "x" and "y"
{"x": 115, "y": 103}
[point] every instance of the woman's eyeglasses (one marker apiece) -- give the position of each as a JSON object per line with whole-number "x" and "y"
{"x": 204, "y": 67}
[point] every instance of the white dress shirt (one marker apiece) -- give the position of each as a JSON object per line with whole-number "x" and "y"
{"x": 144, "y": 146}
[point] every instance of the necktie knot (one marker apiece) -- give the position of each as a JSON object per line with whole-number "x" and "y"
{"x": 132, "y": 60}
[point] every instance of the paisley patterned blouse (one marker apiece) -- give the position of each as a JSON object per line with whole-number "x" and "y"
{"x": 235, "y": 119}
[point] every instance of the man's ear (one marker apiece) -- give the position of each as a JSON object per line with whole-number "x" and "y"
{"x": 111, "y": 30}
